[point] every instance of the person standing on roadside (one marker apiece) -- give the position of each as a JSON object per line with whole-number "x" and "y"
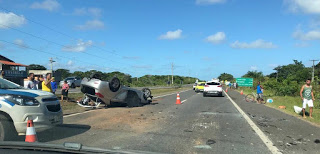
{"x": 54, "y": 85}
{"x": 32, "y": 83}
{"x": 46, "y": 84}
{"x": 259, "y": 93}
{"x": 40, "y": 82}
{"x": 64, "y": 90}
{"x": 306, "y": 94}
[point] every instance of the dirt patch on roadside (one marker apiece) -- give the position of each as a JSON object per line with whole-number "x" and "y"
{"x": 138, "y": 120}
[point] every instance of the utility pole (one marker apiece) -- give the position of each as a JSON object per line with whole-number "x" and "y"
{"x": 172, "y": 67}
{"x": 313, "y": 69}
{"x": 52, "y": 61}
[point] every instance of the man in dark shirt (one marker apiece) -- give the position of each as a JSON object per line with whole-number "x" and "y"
{"x": 40, "y": 83}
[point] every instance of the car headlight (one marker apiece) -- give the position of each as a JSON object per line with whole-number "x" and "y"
{"x": 21, "y": 100}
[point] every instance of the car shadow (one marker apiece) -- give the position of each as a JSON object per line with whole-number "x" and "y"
{"x": 59, "y": 132}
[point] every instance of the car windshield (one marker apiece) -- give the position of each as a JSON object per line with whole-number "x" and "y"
{"x": 213, "y": 83}
{"x": 160, "y": 76}
{"x": 67, "y": 79}
{"x": 5, "y": 84}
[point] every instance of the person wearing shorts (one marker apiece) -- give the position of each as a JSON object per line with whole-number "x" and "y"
{"x": 64, "y": 90}
{"x": 306, "y": 94}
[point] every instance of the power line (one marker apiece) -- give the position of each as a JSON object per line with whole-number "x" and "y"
{"x": 64, "y": 34}
{"x": 28, "y": 47}
{"x": 64, "y": 46}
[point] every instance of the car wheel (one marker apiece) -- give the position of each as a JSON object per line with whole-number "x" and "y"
{"x": 220, "y": 94}
{"x": 73, "y": 86}
{"x": 114, "y": 84}
{"x": 133, "y": 99}
{"x": 204, "y": 95}
{"x": 7, "y": 130}
{"x": 146, "y": 93}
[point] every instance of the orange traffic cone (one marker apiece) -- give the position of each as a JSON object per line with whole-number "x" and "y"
{"x": 241, "y": 93}
{"x": 178, "y": 99}
{"x": 31, "y": 132}
{"x": 227, "y": 90}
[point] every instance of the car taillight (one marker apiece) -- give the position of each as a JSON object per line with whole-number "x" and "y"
{"x": 219, "y": 86}
{"x": 99, "y": 95}
{"x": 206, "y": 85}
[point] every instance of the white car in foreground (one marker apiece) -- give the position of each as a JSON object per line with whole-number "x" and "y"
{"x": 212, "y": 88}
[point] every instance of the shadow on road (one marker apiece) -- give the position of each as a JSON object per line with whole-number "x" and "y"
{"x": 59, "y": 132}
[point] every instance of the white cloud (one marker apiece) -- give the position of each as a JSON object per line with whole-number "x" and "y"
{"x": 305, "y": 6}
{"x": 11, "y": 20}
{"x": 207, "y": 58}
{"x": 142, "y": 66}
{"x": 80, "y": 46}
{"x": 20, "y": 43}
{"x": 217, "y": 38}
{"x": 310, "y": 35}
{"x": 273, "y": 65}
{"x": 253, "y": 68}
{"x": 255, "y": 44}
{"x": 95, "y": 12}
{"x": 171, "y": 35}
{"x": 49, "y": 5}
{"x": 70, "y": 63}
{"x": 209, "y": 2}
{"x": 91, "y": 25}
{"x": 302, "y": 44}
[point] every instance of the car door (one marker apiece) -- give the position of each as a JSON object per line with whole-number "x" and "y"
{"x": 77, "y": 81}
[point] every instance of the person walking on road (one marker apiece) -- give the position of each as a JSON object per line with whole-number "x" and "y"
{"x": 32, "y": 83}
{"x": 306, "y": 94}
{"x": 46, "y": 84}
{"x": 54, "y": 85}
{"x": 64, "y": 90}
{"x": 259, "y": 93}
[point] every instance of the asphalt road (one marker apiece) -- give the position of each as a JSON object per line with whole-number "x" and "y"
{"x": 199, "y": 125}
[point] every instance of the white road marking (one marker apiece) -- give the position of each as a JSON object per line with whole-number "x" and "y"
{"x": 170, "y": 94}
{"x": 263, "y": 137}
{"x": 183, "y": 101}
{"x": 202, "y": 146}
{"x": 70, "y": 115}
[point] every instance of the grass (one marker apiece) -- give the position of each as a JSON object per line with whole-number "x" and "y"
{"x": 289, "y": 102}
{"x": 71, "y": 106}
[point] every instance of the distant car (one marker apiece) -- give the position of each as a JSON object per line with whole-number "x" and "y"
{"x": 73, "y": 82}
{"x": 194, "y": 86}
{"x": 212, "y": 88}
{"x": 112, "y": 92}
{"x": 18, "y": 105}
{"x": 199, "y": 87}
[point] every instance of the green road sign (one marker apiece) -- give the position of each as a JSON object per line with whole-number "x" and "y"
{"x": 244, "y": 82}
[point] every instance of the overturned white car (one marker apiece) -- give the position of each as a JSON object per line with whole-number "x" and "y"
{"x": 111, "y": 92}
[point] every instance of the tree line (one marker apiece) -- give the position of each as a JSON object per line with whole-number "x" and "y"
{"x": 126, "y": 79}
{"x": 286, "y": 80}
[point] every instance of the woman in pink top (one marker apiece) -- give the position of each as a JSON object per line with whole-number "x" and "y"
{"x": 64, "y": 90}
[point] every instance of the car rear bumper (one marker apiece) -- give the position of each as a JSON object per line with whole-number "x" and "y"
{"x": 213, "y": 92}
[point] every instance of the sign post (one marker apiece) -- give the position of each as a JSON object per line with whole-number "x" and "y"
{"x": 244, "y": 82}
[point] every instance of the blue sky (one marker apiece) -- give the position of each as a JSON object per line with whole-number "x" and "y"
{"x": 203, "y": 38}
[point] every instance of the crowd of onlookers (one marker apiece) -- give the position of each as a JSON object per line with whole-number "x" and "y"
{"x": 47, "y": 83}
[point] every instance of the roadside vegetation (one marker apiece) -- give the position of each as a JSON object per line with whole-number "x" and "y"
{"x": 283, "y": 86}
{"x": 126, "y": 79}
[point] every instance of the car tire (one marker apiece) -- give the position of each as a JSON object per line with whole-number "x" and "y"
{"x": 204, "y": 94}
{"x": 133, "y": 99}
{"x": 146, "y": 93}
{"x": 73, "y": 86}
{"x": 114, "y": 84}
{"x": 220, "y": 94}
{"x": 7, "y": 129}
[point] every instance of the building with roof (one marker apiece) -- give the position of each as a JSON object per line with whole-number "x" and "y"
{"x": 14, "y": 72}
